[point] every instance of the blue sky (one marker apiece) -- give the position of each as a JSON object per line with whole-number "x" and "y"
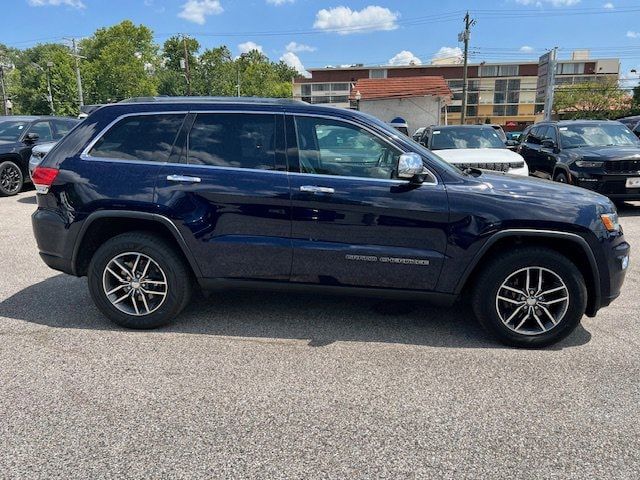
{"x": 315, "y": 33}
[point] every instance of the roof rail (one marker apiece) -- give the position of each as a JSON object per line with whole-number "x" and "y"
{"x": 252, "y": 100}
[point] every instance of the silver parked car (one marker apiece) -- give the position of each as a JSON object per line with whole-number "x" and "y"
{"x": 37, "y": 155}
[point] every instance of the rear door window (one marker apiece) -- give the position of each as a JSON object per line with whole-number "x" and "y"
{"x": 237, "y": 140}
{"x": 140, "y": 137}
{"x": 62, "y": 127}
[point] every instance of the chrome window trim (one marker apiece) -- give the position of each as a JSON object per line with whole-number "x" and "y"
{"x": 85, "y": 153}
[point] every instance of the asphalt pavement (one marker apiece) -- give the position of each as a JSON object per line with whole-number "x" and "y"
{"x": 273, "y": 385}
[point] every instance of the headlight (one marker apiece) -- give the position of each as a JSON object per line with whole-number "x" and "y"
{"x": 610, "y": 221}
{"x": 588, "y": 164}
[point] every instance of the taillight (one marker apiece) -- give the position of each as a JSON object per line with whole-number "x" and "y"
{"x": 43, "y": 178}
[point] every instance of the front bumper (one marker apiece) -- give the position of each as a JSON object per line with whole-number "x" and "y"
{"x": 610, "y": 185}
{"x": 613, "y": 266}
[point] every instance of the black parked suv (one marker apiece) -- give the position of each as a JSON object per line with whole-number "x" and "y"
{"x": 151, "y": 198}
{"x": 18, "y": 135}
{"x": 603, "y": 156}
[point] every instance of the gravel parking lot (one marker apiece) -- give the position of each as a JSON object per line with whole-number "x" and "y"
{"x": 266, "y": 385}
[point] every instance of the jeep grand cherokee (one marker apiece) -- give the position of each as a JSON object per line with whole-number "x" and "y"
{"x": 151, "y": 198}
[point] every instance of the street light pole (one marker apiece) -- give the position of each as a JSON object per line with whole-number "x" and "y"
{"x": 4, "y": 93}
{"x": 464, "y": 36}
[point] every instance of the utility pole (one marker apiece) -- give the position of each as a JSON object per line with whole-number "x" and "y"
{"x": 4, "y": 93}
{"x": 186, "y": 64}
{"x": 50, "y": 97}
{"x": 464, "y": 36}
{"x": 551, "y": 83}
{"x": 77, "y": 57}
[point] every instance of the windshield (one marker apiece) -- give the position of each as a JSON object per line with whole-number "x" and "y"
{"x": 597, "y": 135}
{"x": 465, "y": 137}
{"x": 11, "y": 130}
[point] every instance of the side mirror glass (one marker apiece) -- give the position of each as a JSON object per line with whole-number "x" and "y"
{"x": 410, "y": 165}
{"x": 31, "y": 137}
{"x": 548, "y": 143}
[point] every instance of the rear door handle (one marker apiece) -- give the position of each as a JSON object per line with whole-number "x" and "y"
{"x": 183, "y": 179}
{"x": 316, "y": 189}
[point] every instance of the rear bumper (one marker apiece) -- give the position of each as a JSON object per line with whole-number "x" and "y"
{"x": 52, "y": 237}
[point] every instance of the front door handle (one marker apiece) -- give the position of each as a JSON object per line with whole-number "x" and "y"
{"x": 316, "y": 189}
{"x": 183, "y": 179}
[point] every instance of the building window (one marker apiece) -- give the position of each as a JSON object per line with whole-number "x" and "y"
{"x": 499, "y": 70}
{"x": 456, "y": 96}
{"x": 306, "y": 89}
{"x": 499, "y": 97}
{"x": 320, "y": 87}
{"x": 472, "y": 111}
{"x": 324, "y": 99}
{"x": 340, "y": 87}
{"x": 340, "y": 99}
{"x": 378, "y": 73}
{"x": 473, "y": 85}
{"x": 511, "y": 110}
{"x": 570, "y": 68}
{"x": 539, "y": 108}
{"x": 498, "y": 110}
{"x": 306, "y": 99}
{"x": 472, "y": 98}
{"x": 454, "y": 109}
{"x": 500, "y": 86}
{"x": 455, "y": 84}
{"x": 513, "y": 84}
{"x": 513, "y": 97}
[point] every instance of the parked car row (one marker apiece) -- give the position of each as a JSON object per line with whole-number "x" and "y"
{"x": 603, "y": 156}
{"x": 18, "y": 137}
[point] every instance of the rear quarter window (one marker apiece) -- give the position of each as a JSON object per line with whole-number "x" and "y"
{"x": 140, "y": 137}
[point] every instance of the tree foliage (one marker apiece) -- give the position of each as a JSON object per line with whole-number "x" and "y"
{"x": 123, "y": 61}
{"x": 601, "y": 99}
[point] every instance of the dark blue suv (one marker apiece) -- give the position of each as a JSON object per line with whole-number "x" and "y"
{"x": 152, "y": 197}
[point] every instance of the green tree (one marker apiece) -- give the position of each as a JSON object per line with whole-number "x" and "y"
{"x": 121, "y": 62}
{"x": 262, "y": 78}
{"x": 29, "y": 90}
{"x": 600, "y": 99}
{"x": 216, "y": 73}
{"x": 171, "y": 76}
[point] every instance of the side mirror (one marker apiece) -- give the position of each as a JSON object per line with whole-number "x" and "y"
{"x": 31, "y": 137}
{"x": 549, "y": 144}
{"x": 410, "y": 166}
{"x": 511, "y": 143}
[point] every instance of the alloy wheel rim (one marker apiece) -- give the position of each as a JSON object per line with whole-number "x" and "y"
{"x": 135, "y": 284}
{"x": 10, "y": 178}
{"x": 532, "y": 301}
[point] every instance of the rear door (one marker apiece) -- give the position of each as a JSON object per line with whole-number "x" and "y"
{"x": 354, "y": 222}
{"x": 548, "y": 155}
{"x": 530, "y": 150}
{"x": 228, "y": 193}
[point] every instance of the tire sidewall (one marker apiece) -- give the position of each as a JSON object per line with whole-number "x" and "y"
{"x": 10, "y": 163}
{"x": 171, "y": 266}
{"x": 569, "y": 274}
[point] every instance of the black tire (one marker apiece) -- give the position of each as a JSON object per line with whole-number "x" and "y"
{"x": 488, "y": 284}
{"x": 174, "y": 271}
{"x": 11, "y": 178}
{"x": 561, "y": 177}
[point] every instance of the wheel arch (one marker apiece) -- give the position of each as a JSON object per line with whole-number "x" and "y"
{"x": 560, "y": 167}
{"x": 562, "y": 242}
{"x": 103, "y": 225}
{"x": 18, "y": 160}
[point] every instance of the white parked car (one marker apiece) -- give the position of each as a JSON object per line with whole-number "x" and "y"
{"x": 37, "y": 155}
{"x": 477, "y": 146}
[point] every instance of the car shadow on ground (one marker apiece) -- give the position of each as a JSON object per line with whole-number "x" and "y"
{"x": 30, "y": 200}
{"x": 64, "y": 302}
{"x": 628, "y": 209}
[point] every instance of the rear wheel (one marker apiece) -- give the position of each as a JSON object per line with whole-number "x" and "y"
{"x": 11, "y": 178}
{"x": 138, "y": 281}
{"x": 530, "y": 297}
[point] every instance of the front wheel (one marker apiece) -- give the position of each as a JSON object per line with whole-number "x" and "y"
{"x": 530, "y": 297}
{"x": 561, "y": 177}
{"x": 138, "y": 281}
{"x": 11, "y": 179}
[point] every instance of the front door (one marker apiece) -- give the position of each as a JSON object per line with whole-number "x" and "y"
{"x": 229, "y": 195}
{"x": 354, "y": 222}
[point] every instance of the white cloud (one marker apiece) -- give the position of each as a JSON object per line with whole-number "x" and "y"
{"x": 526, "y": 49}
{"x": 277, "y": 3}
{"x": 405, "y": 57}
{"x": 246, "y": 47}
{"x": 299, "y": 47}
{"x": 632, "y": 34}
{"x": 453, "y": 54}
{"x": 555, "y": 3}
{"x": 196, "y": 11}
{"x": 57, "y": 3}
{"x": 344, "y": 21}
{"x": 609, "y": 6}
{"x": 294, "y": 62}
